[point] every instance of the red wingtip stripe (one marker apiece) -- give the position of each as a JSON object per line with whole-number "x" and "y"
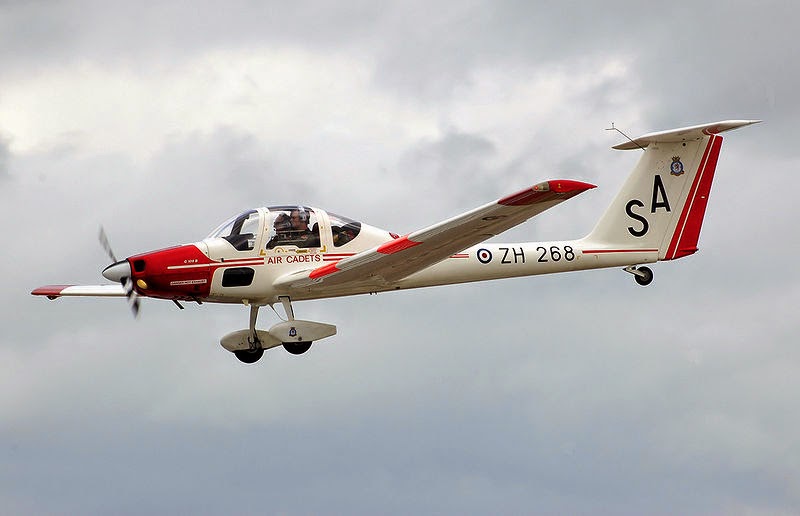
{"x": 569, "y": 186}
{"x": 397, "y": 245}
{"x": 50, "y": 290}
{"x": 547, "y": 191}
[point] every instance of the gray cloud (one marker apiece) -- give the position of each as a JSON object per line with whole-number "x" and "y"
{"x": 5, "y": 158}
{"x": 578, "y": 393}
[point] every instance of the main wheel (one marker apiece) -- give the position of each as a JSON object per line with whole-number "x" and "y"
{"x": 297, "y": 348}
{"x": 249, "y": 356}
{"x": 646, "y": 279}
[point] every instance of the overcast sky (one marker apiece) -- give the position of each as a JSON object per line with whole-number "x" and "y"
{"x": 580, "y": 393}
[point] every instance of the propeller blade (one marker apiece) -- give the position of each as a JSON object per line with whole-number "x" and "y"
{"x": 133, "y": 297}
{"x": 120, "y": 271}
{"x": 106, "y": 245}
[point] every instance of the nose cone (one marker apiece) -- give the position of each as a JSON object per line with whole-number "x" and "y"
{"x": 116, "y": 271}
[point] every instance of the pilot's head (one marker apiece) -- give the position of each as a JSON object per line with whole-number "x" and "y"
{"x": 282, "y": 223}
{"x": 299, "y": 219}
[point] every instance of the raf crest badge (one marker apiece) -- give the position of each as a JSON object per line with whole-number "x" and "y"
{"x": 676, "y": 168}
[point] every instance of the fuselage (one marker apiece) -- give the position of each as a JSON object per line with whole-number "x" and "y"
{"x": 240, "y": 261}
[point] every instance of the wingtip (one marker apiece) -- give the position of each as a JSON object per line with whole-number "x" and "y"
{"x": 51, "y": 291}
{"x": 547, "y": 190}
{"x": 569, "y": 186}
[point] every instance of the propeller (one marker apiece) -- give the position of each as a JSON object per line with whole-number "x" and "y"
{"x": 119, "y": 270}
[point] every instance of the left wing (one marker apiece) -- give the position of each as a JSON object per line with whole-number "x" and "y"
{"x": 55, "y": 291}
{"x": 406, "y": 255}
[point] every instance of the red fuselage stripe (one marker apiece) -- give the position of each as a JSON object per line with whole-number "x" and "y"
{"x": 605, "y": 251}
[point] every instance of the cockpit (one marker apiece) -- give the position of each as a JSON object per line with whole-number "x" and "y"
{"x": 296, "y": 227}
{"x": 240, "y": 231}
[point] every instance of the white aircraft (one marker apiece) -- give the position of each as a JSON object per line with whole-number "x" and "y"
{"x": 281, "y": 254}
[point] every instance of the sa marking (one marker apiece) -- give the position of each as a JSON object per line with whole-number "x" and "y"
{"x": 659, "y": 200}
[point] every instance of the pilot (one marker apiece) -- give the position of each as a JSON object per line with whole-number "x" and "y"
{"x": 299, "y": 220}
{"x": 303, "y": 236}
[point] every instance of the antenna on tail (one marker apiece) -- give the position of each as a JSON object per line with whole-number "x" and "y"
{"x": 613, "y": 128}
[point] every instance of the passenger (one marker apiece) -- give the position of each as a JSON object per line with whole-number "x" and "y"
{"x": 342, "y": 235}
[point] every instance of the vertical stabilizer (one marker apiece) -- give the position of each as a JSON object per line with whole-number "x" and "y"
{"x": 662, "y": 203}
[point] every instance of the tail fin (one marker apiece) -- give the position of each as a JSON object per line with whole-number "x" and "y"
{"x": 662, "y": 203}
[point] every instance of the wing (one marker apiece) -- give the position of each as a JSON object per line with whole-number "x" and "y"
{"x": 56, "y": 291}
{"x": 406, "y": 255}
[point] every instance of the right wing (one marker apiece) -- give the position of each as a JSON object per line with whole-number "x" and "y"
{"x": 406, "y": 255}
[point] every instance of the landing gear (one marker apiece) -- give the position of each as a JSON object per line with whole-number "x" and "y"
{"x": 295, "y": 335}
{"x": 297, "y": 348}
{"x": 646, "y": 278}
{"x": 642, "y": 275}
{"x": 256, "y": 351}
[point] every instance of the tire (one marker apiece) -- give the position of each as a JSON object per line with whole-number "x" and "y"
{"x": 249, "y": 356}
{"x": 297, "y": 348}
{"x": 646, "y": 279}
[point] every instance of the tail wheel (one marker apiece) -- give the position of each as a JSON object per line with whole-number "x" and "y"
{"x": 249, "y": 356}
{"x": 297, "y": 348}
{"x": 644, "y": 276}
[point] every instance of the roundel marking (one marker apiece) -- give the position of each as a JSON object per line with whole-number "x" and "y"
{"x": 484, "y": 255}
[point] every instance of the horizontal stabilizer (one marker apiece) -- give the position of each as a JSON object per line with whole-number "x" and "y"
{"x": 684, "y": 134}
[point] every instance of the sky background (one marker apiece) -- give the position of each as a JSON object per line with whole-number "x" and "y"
{"x": 580, "y": 393}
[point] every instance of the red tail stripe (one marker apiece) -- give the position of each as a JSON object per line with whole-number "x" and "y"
{"x": 687, "y": 232}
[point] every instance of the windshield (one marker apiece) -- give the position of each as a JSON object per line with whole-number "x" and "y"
{"x": 240, "y": 230}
